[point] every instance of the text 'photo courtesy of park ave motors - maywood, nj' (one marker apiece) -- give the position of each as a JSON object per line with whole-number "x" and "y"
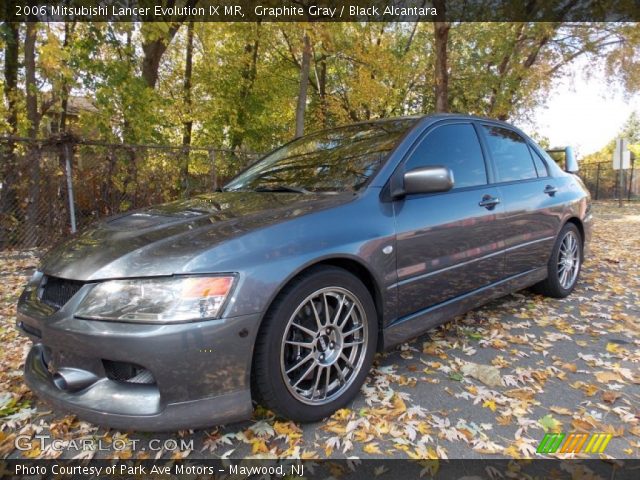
{"x": 102, "y": 471}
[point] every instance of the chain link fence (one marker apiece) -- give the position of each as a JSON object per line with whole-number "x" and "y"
{"x": 51, "y": 188}
{"x": 604, "y": 184}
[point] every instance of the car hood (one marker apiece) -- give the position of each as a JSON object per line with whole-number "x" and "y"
{"x": 161, "y": 240}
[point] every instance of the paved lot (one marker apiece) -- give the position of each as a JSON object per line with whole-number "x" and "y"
{"x": 487, "y": 385}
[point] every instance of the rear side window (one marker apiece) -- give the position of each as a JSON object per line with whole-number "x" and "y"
{"x": 455, "y": 146}
{"x": 510, "y": 154}
{"x": 541, "y": 167}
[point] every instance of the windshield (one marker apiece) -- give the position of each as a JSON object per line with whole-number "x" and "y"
{"x": 340, "y": 159}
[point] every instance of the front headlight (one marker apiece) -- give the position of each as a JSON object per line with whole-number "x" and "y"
{"x": 157, "y": 300}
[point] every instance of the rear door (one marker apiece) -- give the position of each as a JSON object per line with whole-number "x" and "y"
{"x": 448, "y": 243}
{"x": 531, "y": 205}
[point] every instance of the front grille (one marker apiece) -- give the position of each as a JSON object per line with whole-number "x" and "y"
{"x": 127, "y": 372}
{"x": 56, "y": 292}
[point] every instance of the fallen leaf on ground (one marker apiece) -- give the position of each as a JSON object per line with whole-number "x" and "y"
{"x": 372, "y": 449}
{"x": 490, "y": 404}
{"x": 487, "y": 374}
{"x": 606, "y": 377}
{"x": 610, "y": 397}
{"x": 561, "y": 410}
{"x": 550, "y": 424}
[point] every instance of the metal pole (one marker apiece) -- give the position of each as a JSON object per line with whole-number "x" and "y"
{"x": 214, "y": 173}
{"x": 185, "y": 172}
{"x": 630, "y": 184}
{"x": 72, "y": 208}
{"x": 620, "y": 176}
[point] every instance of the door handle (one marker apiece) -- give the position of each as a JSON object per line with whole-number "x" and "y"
{"x": 550, "y": 190}
{"x": 489, "y": 202}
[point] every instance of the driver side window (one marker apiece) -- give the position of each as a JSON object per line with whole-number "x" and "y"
{"x": 455, "y": 146}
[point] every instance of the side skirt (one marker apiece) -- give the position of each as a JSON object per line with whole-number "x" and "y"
{"x": 411, "y": 326}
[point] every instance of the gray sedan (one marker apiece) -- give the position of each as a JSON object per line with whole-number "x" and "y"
{"x": 281, "y": 287}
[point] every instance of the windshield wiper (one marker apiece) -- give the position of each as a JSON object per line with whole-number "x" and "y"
{"x": 281, "y": 188}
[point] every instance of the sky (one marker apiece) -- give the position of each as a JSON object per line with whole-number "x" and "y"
{"x": 585, "y": 113}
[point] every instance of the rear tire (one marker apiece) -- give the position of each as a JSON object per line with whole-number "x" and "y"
{"x": 316, "y": 345}
{"x": 565, "y": 263}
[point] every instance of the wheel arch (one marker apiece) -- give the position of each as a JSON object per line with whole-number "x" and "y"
{"x": 352, "y": 265}
{"x": 578, "y": 223}
{"x": 367, "y": 277}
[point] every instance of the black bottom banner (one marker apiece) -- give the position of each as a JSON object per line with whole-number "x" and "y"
{"x": 291, "y": 469}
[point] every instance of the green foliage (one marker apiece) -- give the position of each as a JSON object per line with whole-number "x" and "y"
{"x": 631, "y": 129}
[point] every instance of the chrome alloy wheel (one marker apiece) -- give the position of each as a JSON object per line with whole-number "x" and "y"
{"x": 324, "y": 345}
{"x": 568, "y": 260}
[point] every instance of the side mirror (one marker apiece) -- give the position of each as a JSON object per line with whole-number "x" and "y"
{"x": 570, "y": 161}
{"x": 430, "y": 179}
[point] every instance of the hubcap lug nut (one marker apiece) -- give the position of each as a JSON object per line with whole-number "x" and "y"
{"x": 328, "y": 330}
{"x": 322, "y": 357}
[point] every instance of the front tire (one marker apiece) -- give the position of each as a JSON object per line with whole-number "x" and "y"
{"x": 563, "y": 269}
{"x": 315, "y": 345}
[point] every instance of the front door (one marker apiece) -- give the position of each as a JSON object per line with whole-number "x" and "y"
{"x": 448, "y": 243}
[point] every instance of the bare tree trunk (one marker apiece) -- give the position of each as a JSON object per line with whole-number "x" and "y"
{"x": 319, "y": 79}
{"x": 31, "y": 95}
{"x": 304, "y": 84}
{"x": 154, "y": 47}
{"x": 8, "y": 199}
{"x": 322, "y": 92}
{"x": 61, "y": 128}
{"x": 441, "y": 73}
{"x": 188, "y": 123}
{"x": 129, "y": 136}
{"x": 249, "y": 75}
{"x": 64, "y": 94}
{"x": 11, "y": 49}
{"x": 153, "y": 51}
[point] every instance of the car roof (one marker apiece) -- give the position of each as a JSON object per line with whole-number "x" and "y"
{"x": 423, "y": 118}
{"x": 424, "y": 121}
{"x": 433, "y": 118}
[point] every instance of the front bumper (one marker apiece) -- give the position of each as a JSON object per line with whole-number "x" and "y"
{"x": 196, "y": 374}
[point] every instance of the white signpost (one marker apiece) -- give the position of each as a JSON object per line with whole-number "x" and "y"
{"x": 621, "y": 162}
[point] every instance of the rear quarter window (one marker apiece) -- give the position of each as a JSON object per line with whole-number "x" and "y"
{"x": 541, "y": 166}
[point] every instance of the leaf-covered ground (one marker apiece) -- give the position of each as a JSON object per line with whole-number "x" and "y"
{"x": 490, "y": 383}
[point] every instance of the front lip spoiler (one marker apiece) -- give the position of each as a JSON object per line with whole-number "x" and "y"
{"x": 134, "y": 414}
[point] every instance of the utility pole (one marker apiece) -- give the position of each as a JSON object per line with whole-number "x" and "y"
{"x": 620, "y": 182}
{"x": 621, "y": 161}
